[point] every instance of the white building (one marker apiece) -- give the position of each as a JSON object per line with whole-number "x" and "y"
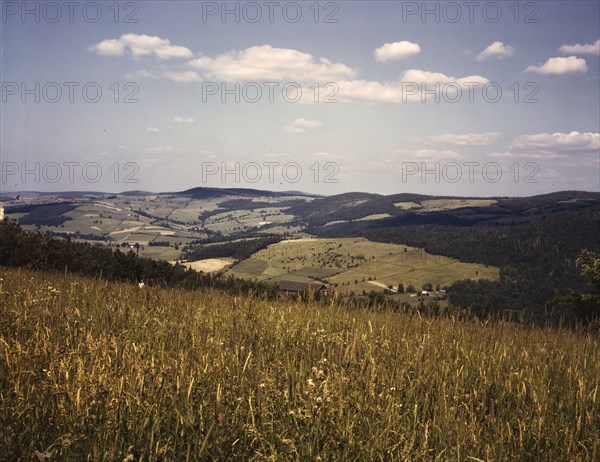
{"x": 1, "y": 213}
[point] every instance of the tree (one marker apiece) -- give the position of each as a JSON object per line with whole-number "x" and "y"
{"x": 585, "y": 305}
{"x": 400, "y": 288}
{"x": 588, "y": 303}
{"x": 428, "y": 286}
{"x": 411, "y": 289}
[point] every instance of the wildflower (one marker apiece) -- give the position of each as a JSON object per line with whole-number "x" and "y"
{"x": 168, "y": 370}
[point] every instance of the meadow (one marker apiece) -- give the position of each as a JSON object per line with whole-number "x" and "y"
{"x": 357, "y": 265}
{"x": 99, "y": 371}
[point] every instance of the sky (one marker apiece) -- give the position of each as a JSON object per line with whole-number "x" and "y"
{"x": 483, "y": 98}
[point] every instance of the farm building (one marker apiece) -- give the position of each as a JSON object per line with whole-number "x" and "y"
{"x": 435, "y": 294}
{"x": 287, "y": 288}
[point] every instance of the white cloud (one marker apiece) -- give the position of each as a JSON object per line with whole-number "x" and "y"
{"x": 183, "y": 76}
{"x": 293, "y": 130}
{"x": 152, "y": 129}
{"x": 141, "y": 74}
{"x": 396, "y": 50}
{"x": 140, "y": 45}
{"x": 183, "y": 120}
{"x": 525, "y": 155}
{"x": 162, "y": 149}
{"x": 589, "y": 49}
{"x": 407, "y": 89}
{"x": 466, "y": 139}
{"x": 301, "y": 125}
{"x": 307, "y": 123}
{"x": 557, "y": 143}
{"x": 560, "y": 66}
{"x": 270, "y": 64}
{"x": 426, "y": 154}
{"x": 496, "y": 50}
{"x": 433, "y": 154}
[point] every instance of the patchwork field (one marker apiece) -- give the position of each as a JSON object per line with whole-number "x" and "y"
{"x": 209, "y": 265}
{"x": 437, "y": 205}
{"x": 353, "y": 264}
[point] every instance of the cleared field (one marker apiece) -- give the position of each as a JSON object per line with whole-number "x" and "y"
{"x": 376, "y": 216}
{"x": 449, "y": 204}
{"x": 436, "y": 205}
{"x": 242, "y": 220}
{"x": 160, "y": 253}
{"x": 209, "y": 265}
{"x": 351, "y": 263}
{"x": 407, "y": 205}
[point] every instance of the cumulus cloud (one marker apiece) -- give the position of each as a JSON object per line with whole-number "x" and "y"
{"x": 496, "y": 50}
{"x": 183, "y": 76}
{"x": 302, "y": 125}
{"x": 152, "y": 129}
{"x": 141, "y": 45}
{"x": 406, "y": 89}
{"x": 427, "y": 154}
{"x": 141, "y": 74}
{"x": 270, "y": 64}
{"x": 557, "y": 143}
{"x": 293, "y": 130}
{"x": 396, "y": 50}
{"x": 577, "y": 49}
{"x": 466, "y": 139}
{"x": 560, "y": 66}
{"x": 164, "y": 149}
{"x": 183, "y": 120}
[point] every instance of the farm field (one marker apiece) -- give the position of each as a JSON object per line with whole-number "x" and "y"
{"x": 98, "y": 370}
{"x": 209, "y": 265}
{"x": 354, "y": 264}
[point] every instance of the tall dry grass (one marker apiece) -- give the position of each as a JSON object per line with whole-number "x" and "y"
{"x": 91, "y": 370}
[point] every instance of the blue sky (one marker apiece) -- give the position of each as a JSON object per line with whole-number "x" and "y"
{"x": 481, "y": 99}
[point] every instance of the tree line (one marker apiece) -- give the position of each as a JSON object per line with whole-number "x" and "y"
{"x": 40, "y": 251}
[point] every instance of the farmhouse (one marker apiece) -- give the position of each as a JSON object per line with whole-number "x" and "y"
{"x": 287, "y": 288}
{"x": 435, "y": 294}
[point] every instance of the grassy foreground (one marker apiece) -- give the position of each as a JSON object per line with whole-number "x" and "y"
{"x": 91, "y": 370}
